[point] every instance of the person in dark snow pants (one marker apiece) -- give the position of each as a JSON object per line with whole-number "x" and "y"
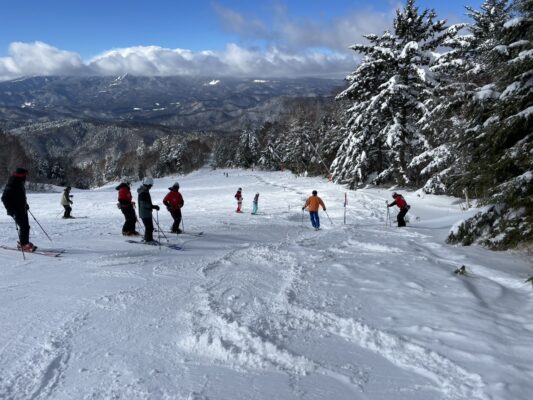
{"x": 402, "y": 205}
{"x": 127, "y": 206}
{"x": 66, "y": 202}
{"x": 15, "y": 202}
{"x": 145, "y": 209}
{"x": 174, "y": 202}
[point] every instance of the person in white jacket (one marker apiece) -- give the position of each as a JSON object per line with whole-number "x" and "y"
{"x": 66, "y": 202}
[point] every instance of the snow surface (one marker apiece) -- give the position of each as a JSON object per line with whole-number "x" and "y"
{"x": 262, "y": 307}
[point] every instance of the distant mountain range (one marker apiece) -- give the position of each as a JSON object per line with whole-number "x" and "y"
{"x": 185, "y": 103}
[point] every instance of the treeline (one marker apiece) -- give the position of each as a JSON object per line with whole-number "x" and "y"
{"x": 445, "y": 108}
{"x": 167, "y": 155}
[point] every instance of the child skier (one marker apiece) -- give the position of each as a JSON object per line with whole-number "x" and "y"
{"x": 239, "y": 198}
{"x": 14, "y": 199}
{"x": 145, "y": 209}
{"x": 402, "y": 205}
{"x": 255, "y": 204}
{"x": 174, "y": 202}
{"x": 312, "y": 204}
{"x": 127, "y": 206}
{"x": 66, "y": 202}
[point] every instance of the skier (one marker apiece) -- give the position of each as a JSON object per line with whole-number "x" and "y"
{"x": 313, "y": 204}
{"x": 145, "y": 209}
{"x": 127, "y": 206}
{"x": 255, "y": 204}
{"x": 402, "y": 205}
{"x": 239, "y": 198}
{"x": 174, "y": 202}
{"x": 66, "y": 202}
{"x": 14, "y": 199}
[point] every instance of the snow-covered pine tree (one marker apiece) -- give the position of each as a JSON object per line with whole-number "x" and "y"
{"x": 248, "y": 149}
{"x": 501, "y": 166}
{"x": 453, "y": 118}
{"x": 389, "y": 91}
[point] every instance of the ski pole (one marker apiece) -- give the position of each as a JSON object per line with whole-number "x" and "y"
{"x": 387, "y": 219}
{"x": 328, "y": 217}
{"x": 182, "y": 224}
{"x": 40, "y": 226}
{"x": 303, "y": 212}
{"x": 18, "y": 233}
{"x": 158, "y": 227}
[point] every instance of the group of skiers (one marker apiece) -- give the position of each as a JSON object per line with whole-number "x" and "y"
{"x": 15, "y": 202}
{"x": 173, "y": 201}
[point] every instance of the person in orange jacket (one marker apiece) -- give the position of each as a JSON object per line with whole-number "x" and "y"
{"x": 174, "y": 201}
{"x": 312, "y": 204}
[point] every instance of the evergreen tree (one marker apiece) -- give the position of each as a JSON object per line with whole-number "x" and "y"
{"x": 248, "y": 149}
{"x": 389, "y": 91}
{"x": 500, "y": 169}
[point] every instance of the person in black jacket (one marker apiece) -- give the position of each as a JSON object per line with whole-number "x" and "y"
{"x": 145, "y": 209}
{"x": 14, "y": 199}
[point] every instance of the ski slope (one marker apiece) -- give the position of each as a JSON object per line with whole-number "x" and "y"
{"x": 262, "y": 307}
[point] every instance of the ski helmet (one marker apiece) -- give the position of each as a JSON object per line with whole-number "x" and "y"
{"x": 175, "y": 186}
{"x": 239, "y": 189}
{"x": 395, "y": 194}
{"x": 314, "y": 192}
{"x": 148, "y": 181}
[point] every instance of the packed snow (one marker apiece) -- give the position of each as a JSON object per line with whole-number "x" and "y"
{"x": 262, "y": 306}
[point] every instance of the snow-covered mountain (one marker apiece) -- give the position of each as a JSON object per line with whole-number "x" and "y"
{"x": 183, "y": 102}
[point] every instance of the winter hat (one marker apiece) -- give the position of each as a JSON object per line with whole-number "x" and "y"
{"x": 176, "y": 186}
{"x": 394, "y": 194}
{"x": 148, "y": 181}
{"x": 239, "y": 189}
{"x": 20, "y": 173}
{"x": 314, "y": 192}
{"x": 68, "y": 188}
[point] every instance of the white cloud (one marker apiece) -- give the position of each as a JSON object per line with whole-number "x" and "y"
{"x": 42, "y": 59}
{"x": 288, "y": 48}
{"x": 39, "y": 59}
{"x": 335, "y": 34}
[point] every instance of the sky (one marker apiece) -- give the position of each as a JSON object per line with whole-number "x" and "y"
{"x": 174, "y": 37}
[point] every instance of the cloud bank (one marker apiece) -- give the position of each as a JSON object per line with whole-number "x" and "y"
{"x": 288, "y": 48}
{"x": 39, "y": 58}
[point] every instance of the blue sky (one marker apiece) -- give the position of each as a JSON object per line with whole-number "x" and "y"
{"x": 76, "y": 32}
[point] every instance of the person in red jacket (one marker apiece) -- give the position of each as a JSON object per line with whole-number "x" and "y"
{"x": 402, "y": 205}
{"x": 174, "y": 201}
{"x": 239, "y": 198}
{"x": 127, "y": 206}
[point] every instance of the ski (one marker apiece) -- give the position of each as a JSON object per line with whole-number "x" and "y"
{"x": 186, "y": 233}
{"x": 192, "y": 233}
{"x": 42, "y": 252}
{"x": 168, "y": 245}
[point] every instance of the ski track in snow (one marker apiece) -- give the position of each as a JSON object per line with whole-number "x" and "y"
{"x": 38, "y": 370}
{"x": 260, "y": 307}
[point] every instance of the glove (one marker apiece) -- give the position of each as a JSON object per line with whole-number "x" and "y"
{"x": 155, "y": 208}
{"x": 324, "y": 208}
{"x": 303, "y": 208}
{"x": 27, "y": 207}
